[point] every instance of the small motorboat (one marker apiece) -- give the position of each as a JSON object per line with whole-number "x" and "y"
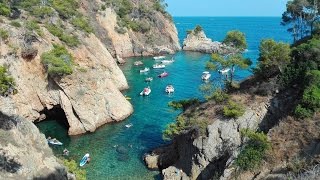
{"x": 169, "y": 89}
{"x": 162, "y": 75}
{"x": 138, "y": 63}
{"x": 159, "y": 57}
{"x": 167, "y": 61}
{"x": 148, "y": 79}
{"x": 205, "y": 75}
{"x": 84, "y": 160}
{"x": 54, "y": 141}
{"x": 128, "y": 125}
{"x": 144, "y": 70}
{"x": 224, "y": 71}
{"x": 145, "y": 92}
{"x": 158, "y": 66}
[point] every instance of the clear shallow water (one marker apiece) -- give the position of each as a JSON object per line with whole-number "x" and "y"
{"x": 151, "y": 114}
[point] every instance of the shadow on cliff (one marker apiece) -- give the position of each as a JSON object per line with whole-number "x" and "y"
{"x": 8, "y": 164}
{"x": 58, "y": 174}
{"x": 7, "y": 122}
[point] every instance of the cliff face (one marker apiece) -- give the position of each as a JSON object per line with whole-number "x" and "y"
{"x": 155, "y": 34}
{"x": 198, "y": 41}
{"x": 90, "y": 96}
{"x": 25, "y": 153}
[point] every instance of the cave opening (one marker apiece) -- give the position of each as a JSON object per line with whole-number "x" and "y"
{"x": 55, "y": 115}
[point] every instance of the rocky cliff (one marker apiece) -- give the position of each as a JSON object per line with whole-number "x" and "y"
{"x": 90, "y": 96}
{"x": 24, "y": 152}
{"x": 194, "y": 156}
{"x": 198, "y": 41}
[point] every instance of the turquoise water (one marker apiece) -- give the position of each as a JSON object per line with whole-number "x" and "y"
{"x": 117, "y": 151}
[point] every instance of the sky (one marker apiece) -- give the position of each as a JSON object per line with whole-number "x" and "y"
{"x": 232, "y": 8}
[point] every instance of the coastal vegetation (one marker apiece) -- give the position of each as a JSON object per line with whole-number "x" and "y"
{"x": 6, "y": 82}
{"x": 254, "y": 150}
{"x": 236, "y": 39}
{"x": 58, "y": 61}
{"x": 233, "y": 109}
{"x": 184, "y": 104}
{"x": 73, "y": 168}
{"x": 302, "y": 17}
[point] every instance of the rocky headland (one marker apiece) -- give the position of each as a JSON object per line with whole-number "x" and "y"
{"x": 197, "y": 41}
{"x": 89, "y": 96}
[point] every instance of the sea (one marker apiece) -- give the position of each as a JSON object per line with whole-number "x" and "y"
{"x": 116, "y": 151}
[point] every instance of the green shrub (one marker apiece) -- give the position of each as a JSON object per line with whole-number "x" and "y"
{"x": 6, "y": 82}
{"x": 58, "y": 61}
{"x": 219, "y": 96}
{"x": 82, "y": 24}
{"x": 66, "y": 8}
{"x": 41, "y": 11}
{"x": 73, "y": 168}
{"x": 59, "y": 32}
{"x": 103, "y": 7}
{"x": 301, "y": 112}
{"x": 120, "y": 30}
{"x": 233, "y": 109}
{"x": 183, "y": 104}
{"x": 236, "y": 39}
{"x": 4, "y": 34}
{"x": 34, "y": 26}
{"x": 4, "y": 10}
{"x": 198, "y": 29}
{"x": 189, "y": 31}
{"x": 254, "y": 151}
{"x": 175, "y": 128}
{"x": 15, "y": 24}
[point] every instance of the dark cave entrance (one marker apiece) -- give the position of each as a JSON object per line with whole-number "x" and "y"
{"x": 56, "y": 114}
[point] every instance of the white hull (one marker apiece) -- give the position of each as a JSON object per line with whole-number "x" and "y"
{"x": 159, "y": 57}
{"x": 169, "y": 89}
{"x": 158, "y": 66}
{"x": 167, "y": 61}
{"x": 145, "y": 93}
{"x": 144, "y": 70}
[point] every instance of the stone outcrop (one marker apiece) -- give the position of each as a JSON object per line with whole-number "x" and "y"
{"x": 90, "y": 96}
{"x": 198, "y": 41}
{"x": 160, "y": 39}
{"x": 205, "y": 157}
{"x": 25, "y": 153}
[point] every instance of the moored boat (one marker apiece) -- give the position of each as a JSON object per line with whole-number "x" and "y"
{"x": 164, "y": 74}
{"x": 224, "y": 71}
{"x": 159, "y": 57}
{"x": 138, "y": 63}
{"x": 146, "y": 91}
{"x": 169, "y": 89}
{"x": 148, "y": 79}
{"x": 54, "y": 141}
{"x": 205, "y": 75}
{"x": 128, "y": 125}
{"x": 158, "y": 66}
{"x": 167, "y": 61}
{"x": 144, "y": 70}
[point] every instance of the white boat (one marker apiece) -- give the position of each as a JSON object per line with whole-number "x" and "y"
{"x": 158, "y": 66}
{"x": 205, "y": 75}
{"x": 144, "y": 70}
{"x": 169, "y": 89}
{"x": 167, "y": 61}
{"x": 145, "y": 92}
{"x": 54, "y": 141}
{"x": 148, "y": 79}
{"x": 138, "y": 63}
{"x": 159, "y": 57}
{"x": 224, "y": 71}
{"x": 128, "y": 125}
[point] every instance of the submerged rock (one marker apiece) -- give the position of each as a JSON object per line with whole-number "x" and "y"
{"x": 122, "y": 150}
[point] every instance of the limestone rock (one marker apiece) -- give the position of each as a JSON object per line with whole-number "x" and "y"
{"x": 25, "y": 153}
{"x": 200, "y": 43}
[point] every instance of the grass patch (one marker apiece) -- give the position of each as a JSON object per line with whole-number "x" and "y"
{"x": 15, "y": 24}
{"x": 4, "y": 9}
{"x": 82, "y": 24}
{"x": 4, "y": 34}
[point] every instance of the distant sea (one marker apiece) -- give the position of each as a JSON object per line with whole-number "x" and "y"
{"x": 151, "y": 113}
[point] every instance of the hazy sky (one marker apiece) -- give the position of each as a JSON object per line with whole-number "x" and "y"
{"x": 226, "y": 7}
